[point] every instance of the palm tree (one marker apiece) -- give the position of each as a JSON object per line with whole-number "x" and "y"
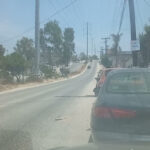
{"x": 116, "y": 48}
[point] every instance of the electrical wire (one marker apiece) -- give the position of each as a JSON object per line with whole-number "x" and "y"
{"x": 59, "y": 11}
{"x": 114, "y": 16}
{"x": 77, "y": 14}
{"x": 32, "y": 28}
{"x": 70, "y": 18}
{"x": 54, "y": 6}
{"x": 122, "y": 16}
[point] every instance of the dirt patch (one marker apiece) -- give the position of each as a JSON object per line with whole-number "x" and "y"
{"x": 6, "y": 87}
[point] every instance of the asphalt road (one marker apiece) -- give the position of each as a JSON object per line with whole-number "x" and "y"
{"x": 48, "y": 116}
{"x": 75, "y": 66}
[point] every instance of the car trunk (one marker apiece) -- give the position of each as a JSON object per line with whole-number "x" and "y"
{"x": 137, "y": 103}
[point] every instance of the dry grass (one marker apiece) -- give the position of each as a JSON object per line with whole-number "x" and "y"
{"x": 5, "y": 87}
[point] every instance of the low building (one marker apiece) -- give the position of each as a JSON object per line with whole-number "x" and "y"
{"x": 123, "y": 60}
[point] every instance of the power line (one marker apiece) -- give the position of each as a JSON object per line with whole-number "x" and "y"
{"x": 76, "y": 17}
{"x": 114, "y": 15}
{"x": 32, "y": 28}
{"x": 76, "y": 11}
{"x": 15, "y": 37}
{"x": 59, "y": 11}
{"x": 117, "y": 15}
{"x": 122, "y": 16}
{"x": 54, "y": 6}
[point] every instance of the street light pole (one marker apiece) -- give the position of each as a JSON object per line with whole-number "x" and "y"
{"x": 37, "y": 36}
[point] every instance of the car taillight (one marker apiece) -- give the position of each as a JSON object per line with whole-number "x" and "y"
{"x": 101, "y": 112}
{"x": 106, "y": 112}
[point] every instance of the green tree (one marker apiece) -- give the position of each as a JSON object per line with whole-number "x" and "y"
{"x": 115, "y": 47}
{"x": 15, "y": 64}
{"x": 83, "y": 56}
{"x": 106, "y": 62}
{"x": 75, "y": 57}
{"x": 94, "y": 57}
{"x": 25, "y": 48}
{"x": 69, "y": 46}
{"x": 2, "y": 50}
{"x": 54, "y": 42}
{"x": 145, "y": 45}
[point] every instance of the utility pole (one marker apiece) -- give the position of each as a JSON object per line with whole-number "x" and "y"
{"x": 37, "y": 36}
{"x": 102, "y": 51}
{"x": 87, "y": 41}
{"x": 100, "y": 54}
{"x": 106, "y": 46}
{"x": 92, "y": 48}
{"x": 133, "y": 29}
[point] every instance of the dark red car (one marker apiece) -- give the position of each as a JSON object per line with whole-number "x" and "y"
{"x": 101, "y": 79}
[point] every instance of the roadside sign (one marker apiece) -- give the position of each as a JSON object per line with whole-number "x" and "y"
{"x": 135, "y": 45}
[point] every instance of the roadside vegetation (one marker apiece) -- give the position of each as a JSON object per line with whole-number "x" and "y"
{"x": 57, "y": 50}
{"x": 143, "y": 54}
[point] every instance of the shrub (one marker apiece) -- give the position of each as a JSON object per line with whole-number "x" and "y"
{"x": 106, "y": 62}
{"x": 33, "y": 78}
{"x": 5, "y": 77}
{"x": 65, "y": 72}
{"x": 48, "y": 72}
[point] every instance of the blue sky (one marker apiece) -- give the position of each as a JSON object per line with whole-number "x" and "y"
{"x": 17, "y": 16}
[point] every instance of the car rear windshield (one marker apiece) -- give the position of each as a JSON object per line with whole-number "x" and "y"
{"x": 129, "y": 82}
